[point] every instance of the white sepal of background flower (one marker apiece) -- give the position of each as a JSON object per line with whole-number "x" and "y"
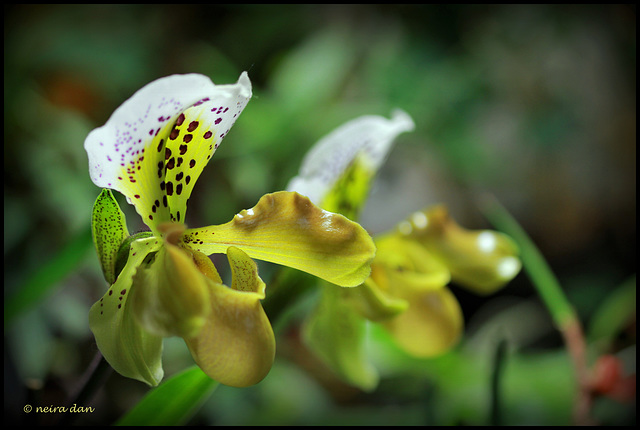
{"x": 368, "y": 138}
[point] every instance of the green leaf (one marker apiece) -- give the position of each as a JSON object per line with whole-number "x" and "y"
{"x": 173, "y": 402}
{"x": 617, "y": 310}
{"x": 42, "y": 281}
{"x": 109, "y": 228}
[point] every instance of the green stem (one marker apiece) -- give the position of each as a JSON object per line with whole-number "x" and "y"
{"x": 551, "y": 293}
{"x": 96, "y": 376}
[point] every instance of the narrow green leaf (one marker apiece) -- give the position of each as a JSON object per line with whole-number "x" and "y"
{"x": 616, "y": 311}
{"x": 173, "y": 402}
{"x": 109, "y": 228}
{"x": 42, "y": 281}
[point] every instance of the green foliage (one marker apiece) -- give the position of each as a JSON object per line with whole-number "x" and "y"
{"x": 173, "y": 402}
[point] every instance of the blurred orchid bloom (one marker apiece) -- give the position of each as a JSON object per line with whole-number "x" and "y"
{"x": 406, "y": 292}
{"x": 162, "y": 283}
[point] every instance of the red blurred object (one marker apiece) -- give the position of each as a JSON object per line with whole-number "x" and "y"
{"x": 608, "y": 379}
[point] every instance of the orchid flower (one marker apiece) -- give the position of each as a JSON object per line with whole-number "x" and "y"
{"x": 406, "y": 292}
{"x": 162, "y": 282}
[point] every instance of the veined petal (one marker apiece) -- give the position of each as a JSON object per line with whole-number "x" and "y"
{"x": 127, "y": 347}
{"x": 170, "y": 295}
{"x": 287, "y": 229}
{"x": 336, "y": 334}
{"x": 156, "y": 144}
{"x": 431, "y": 325}
{"x": 236, "y": 346}
{"x": 109, "y": 228}
{"x": 482, "y": 260}
{"x": 368, "y": 138}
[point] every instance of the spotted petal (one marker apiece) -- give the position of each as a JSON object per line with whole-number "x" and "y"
{"x": 154, "y": 146}
{"x": 127, "y": 347}
{"x": 109, "y": 228}
{"x": 236, "y": 346}
{"x": 286, "y": 228}
{"x": 482, "y": 261}
{"x": 367, "y": 138}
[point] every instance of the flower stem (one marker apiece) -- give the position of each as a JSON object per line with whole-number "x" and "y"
{"x": 551, "y": 293}
{"x": 95, "y": 377}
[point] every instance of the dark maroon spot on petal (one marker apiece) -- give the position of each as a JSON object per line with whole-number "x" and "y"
{"x": 187, "y": 180}
{"x": 153, "y": 209}
{"x": 160, "y": 144}
{"x": 180, "y": 119}
{"x": 178, "y": 215}
{"x": 123, "y": 291}
{"x": 167, "y": 153}
{"x": 179, "y": 176}
{"x": 179, "y": 190}
{"x": 179, "y": 161}
{"x": 164, "y": 201}
{"x": 192, "y": 126}
{"x": 192, "y": 163}
{"x": 137, "y": 196}
{"x": 120, "y": 305}
{"x": 171, "y": 163}
{"x": 183, "y": 148}
{"x": 151, "y": 217}
{"x": 174, "y": 134}
{"x": 187, "y": 138}
{"x": 169, "y": 188}
{"x": 157, "y": 203}
{"x": 207, "y": 135}
{"x": 217, "y": 121}
{"x": 110, "y": 292}
{"x": 162, "y": 185}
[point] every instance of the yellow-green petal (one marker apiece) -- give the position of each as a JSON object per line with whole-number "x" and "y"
{"x": 373, "y": 302}
{"x": 170, "y": 296}
{"x": 236, "y": 346}
{"x": 406, "y": 264}
{"x": 154, "y": 146}
{"x": 109, "y": 228}
{"x": 126, "y": 346}
{"x": 481, "y": 260}
{"x": 335, "y": 332}
{"x": 287, "y": 229}
{"x": 430, "y": 326}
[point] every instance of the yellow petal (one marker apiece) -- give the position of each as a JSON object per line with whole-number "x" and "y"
{"x": 430, "y": 326}
{"x": 287, "y": 229}
{"x": 372, "y": 302}
{"x": 171, "y": 295}
{"x": 125, "y": 345}
{"x": 336, "y": 334}
{"x": 405, "y": 264}
{"x": 481, "y": 260}
{"x": 236, "y": 346}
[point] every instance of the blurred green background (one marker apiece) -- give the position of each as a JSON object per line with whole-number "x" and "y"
{"x": 533, "y": 104}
